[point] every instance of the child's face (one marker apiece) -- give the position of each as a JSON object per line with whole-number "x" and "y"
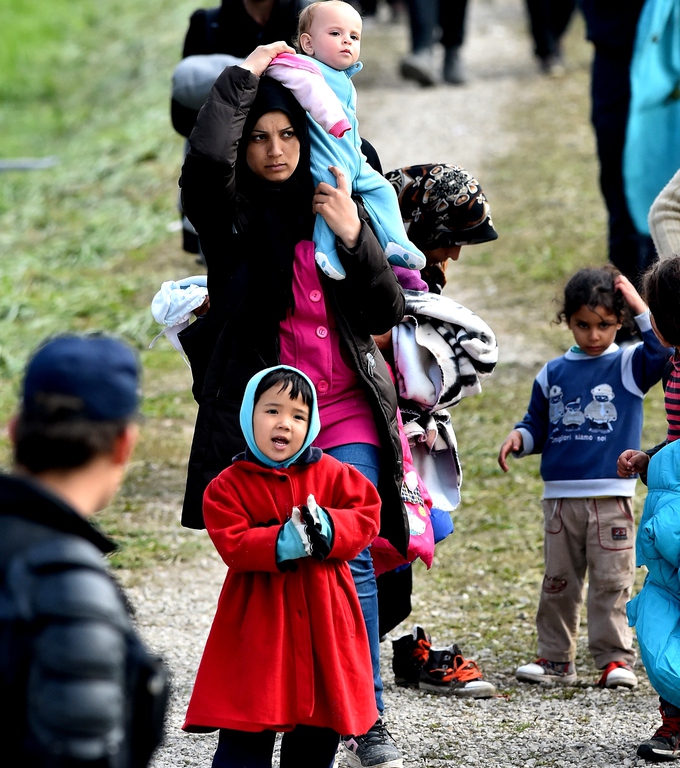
{"x": 334, "y": 36}
{"x": 594, "y": 331}
{"x": 280, "y": 423}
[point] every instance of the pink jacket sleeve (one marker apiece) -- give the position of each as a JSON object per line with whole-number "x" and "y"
{"x": 313, "y": 93}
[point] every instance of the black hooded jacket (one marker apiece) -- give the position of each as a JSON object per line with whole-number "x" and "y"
{"x": 239, "y": 336}
{"x": 76, "y": 680}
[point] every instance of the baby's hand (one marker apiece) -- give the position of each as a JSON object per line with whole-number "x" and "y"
{"x": 631, "y": 463}
{"x": 262, "y": 57}
{"x": 513, "y": 444}
{"x": 631, "y": 296}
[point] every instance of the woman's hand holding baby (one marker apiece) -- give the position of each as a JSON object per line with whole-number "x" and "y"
{"x": 338, "y": 209}
{"x": 262, "y": 57}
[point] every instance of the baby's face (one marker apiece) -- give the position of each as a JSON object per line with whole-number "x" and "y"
{"x": 334, "y": 36}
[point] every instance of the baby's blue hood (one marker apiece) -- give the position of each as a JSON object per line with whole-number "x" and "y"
{"x": 246, "y": 418}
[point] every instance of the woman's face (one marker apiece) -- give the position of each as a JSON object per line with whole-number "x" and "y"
{"x": 440, "y": 255}
{"x": 273, "y": 150}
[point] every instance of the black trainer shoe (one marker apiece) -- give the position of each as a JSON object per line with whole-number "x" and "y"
{"x": 410, "y": 652}
{"x": 447, "y": 672}
{"x": 375, "y": 749}
{"x": 664, "y": 744}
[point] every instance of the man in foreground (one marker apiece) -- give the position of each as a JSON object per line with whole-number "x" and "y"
{"x": 79, "y": 688}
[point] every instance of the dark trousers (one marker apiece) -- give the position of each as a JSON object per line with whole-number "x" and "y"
{"x": 303, "y": 746}
{"x": 426, "y": 15}
{"x": 549, "y": 20}
{"x": 610, "y": 89}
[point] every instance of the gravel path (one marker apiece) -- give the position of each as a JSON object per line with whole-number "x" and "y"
{"x": 525, "y": 725}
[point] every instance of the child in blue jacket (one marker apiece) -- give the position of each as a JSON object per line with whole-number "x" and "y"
{"x": 585, "y": 406}
{"x": 655, "y": 611}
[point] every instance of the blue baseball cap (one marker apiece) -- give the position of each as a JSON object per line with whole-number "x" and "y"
{"x": 101, "y": 374}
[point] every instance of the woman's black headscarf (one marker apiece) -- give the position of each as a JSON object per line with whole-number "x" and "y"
{"x": 273, "y": 216}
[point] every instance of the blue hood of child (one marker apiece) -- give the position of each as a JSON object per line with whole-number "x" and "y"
{"x": 246, "y": 419}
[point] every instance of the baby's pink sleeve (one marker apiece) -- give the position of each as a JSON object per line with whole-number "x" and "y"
{"x": 313, "y": 93}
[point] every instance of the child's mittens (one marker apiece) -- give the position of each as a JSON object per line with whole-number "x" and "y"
{"x": 308, "y": 533}
{"x": 290, "y": 544}
{"x": 318, "y": 528}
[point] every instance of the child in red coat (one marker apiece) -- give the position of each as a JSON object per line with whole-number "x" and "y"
{"x": 287, "y": 650}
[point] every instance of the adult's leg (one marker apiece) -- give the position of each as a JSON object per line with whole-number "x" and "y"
{"x": 366, "y": 458}
{"x": 309, "y": 746}
{"x": 452, "y": 22}
{"x": 539, "y": 12}
{"x": 423, "y": 19}
{"x": 559, "y": 606}
{"x": 611, "y": 573}
{"x": 561, "y": 12}
{"x": 241, "y": 749}
{"x": 419, "y": 64}
{"x": 628, "y": 250}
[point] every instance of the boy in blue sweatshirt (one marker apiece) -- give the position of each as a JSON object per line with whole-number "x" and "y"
{"x": 585, "y": 407}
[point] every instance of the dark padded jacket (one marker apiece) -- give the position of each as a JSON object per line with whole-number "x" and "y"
{"x": 223, "y": 356}
{"x": 76, "y": 681}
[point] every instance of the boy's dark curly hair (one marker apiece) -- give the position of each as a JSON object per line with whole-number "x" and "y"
{"x": 594, "y": 287}
{"x": 661, "y": 289}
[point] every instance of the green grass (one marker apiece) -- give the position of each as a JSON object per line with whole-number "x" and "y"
{"x": 84, "y": 245}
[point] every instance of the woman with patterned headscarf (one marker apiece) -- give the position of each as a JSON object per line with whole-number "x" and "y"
{"x": 443, "y": 208}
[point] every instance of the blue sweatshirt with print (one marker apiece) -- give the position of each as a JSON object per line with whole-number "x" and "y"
{"x": 584, "y": 411}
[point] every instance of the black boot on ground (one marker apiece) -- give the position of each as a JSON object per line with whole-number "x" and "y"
{"x": 410, "y": 652}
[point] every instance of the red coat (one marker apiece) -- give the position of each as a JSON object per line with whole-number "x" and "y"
{"x": 286, "y": 648}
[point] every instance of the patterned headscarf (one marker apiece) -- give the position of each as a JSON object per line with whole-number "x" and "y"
{"x": 442, "y": 206}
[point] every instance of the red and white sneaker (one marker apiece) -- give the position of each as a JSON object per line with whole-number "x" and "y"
{"x": 618, "y": 674}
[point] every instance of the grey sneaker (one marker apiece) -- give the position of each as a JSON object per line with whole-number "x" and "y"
{"x": 453, "y": 67}
{"x": 544, "y": 671}
{"x": 375, "y": 749}
{"x": 419, "y": 67}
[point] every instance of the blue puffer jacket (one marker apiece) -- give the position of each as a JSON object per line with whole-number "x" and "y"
{"x": 655, "y": 611}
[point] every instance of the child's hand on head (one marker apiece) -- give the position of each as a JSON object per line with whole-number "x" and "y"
{"x": 630, "y": 294}
{"x": 513, "y": 443}
{"x": 262, "y": 57}
{"x": 631, "y": 463}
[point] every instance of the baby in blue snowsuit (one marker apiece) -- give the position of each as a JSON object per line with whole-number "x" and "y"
{"x": 329, "y": 33}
